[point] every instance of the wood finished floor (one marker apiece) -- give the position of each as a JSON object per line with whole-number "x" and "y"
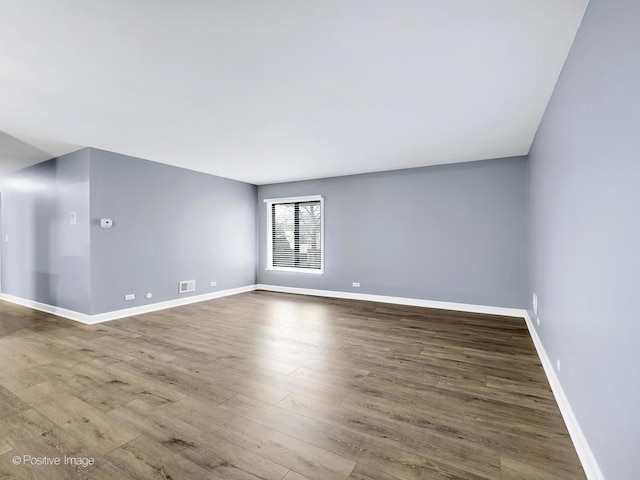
{"x": 275, "y": 386}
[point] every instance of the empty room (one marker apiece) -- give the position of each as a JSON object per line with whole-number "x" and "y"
{"x": 319, "y": 240}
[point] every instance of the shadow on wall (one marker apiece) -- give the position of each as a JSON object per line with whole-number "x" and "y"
{"x": 45, "y": 213}
{"x": 43, "y": 278}
{"x": 16, "y": 154}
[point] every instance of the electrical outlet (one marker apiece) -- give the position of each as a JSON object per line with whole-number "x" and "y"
{"x": 213, "y": 284}
{"x": 356, "y": 284}
{"x": 558, "y": 364}
{"x": 130, "y": 296}
{"x": 538, "y": 319}
{"x": 535, "y": 304}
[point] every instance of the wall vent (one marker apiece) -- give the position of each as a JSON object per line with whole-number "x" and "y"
{"x": 187, "y": 286}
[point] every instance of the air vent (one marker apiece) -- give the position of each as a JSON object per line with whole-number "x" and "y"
{"x": 187, "y": 286}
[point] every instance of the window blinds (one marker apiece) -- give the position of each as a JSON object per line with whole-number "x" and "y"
{"x": 296, "y": 235}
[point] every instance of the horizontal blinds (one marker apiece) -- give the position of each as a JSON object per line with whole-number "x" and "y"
{"x": 297, "y": 235}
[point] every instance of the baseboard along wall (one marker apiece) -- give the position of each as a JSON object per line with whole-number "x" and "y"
{"x": 588, "y": 460}
{"x": 127, "y": 312}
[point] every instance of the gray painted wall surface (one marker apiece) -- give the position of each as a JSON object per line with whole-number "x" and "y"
{"x": 46, "y": 258}
{"x": 170, "y": 224}
{"x": 454, "y": 233}
{"x": 584, "y": 202}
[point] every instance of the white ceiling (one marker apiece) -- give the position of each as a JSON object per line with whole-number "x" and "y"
{"x": 275, "y": 90}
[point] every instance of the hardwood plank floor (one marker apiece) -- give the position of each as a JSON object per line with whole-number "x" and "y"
{"x": 273, "y": 386}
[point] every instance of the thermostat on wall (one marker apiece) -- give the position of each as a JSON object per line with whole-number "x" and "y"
{"x": 106, "y": 223}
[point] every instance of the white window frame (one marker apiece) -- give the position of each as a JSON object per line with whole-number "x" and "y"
{"x": 269, "y": 202}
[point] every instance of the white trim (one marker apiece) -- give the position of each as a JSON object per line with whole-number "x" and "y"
{"x": 127, "y": 312}
{"x": 104, "y": 317}
{"x": 295, "y": 270}
{"x": 416, "y": 302}
{"x": 305, "y": 198}
{"x": 588, "y": 460}
{"x": 44, "y": 307}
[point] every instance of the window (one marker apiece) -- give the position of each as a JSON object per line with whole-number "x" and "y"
{"x": 295, "y": 233}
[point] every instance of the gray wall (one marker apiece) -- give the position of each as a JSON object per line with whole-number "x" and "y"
{"x": 170, "y": 224}
{"x": 584, "y": 202}
{"x": 454, "y": 233}
{"x": 46, "y": 258}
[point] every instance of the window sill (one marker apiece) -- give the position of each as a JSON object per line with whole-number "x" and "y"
{"x": 296, "y": 270}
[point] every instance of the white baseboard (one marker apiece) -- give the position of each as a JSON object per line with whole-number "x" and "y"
{"x": 588, "y": 460}
{"x": 43, "y": 307}
{"x": 127, "y": 312}
{"x": 153, "y": 307}
{"x": 415, "y": 302}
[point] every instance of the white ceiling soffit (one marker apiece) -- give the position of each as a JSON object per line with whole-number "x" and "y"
{"x": 272, "y": 91}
